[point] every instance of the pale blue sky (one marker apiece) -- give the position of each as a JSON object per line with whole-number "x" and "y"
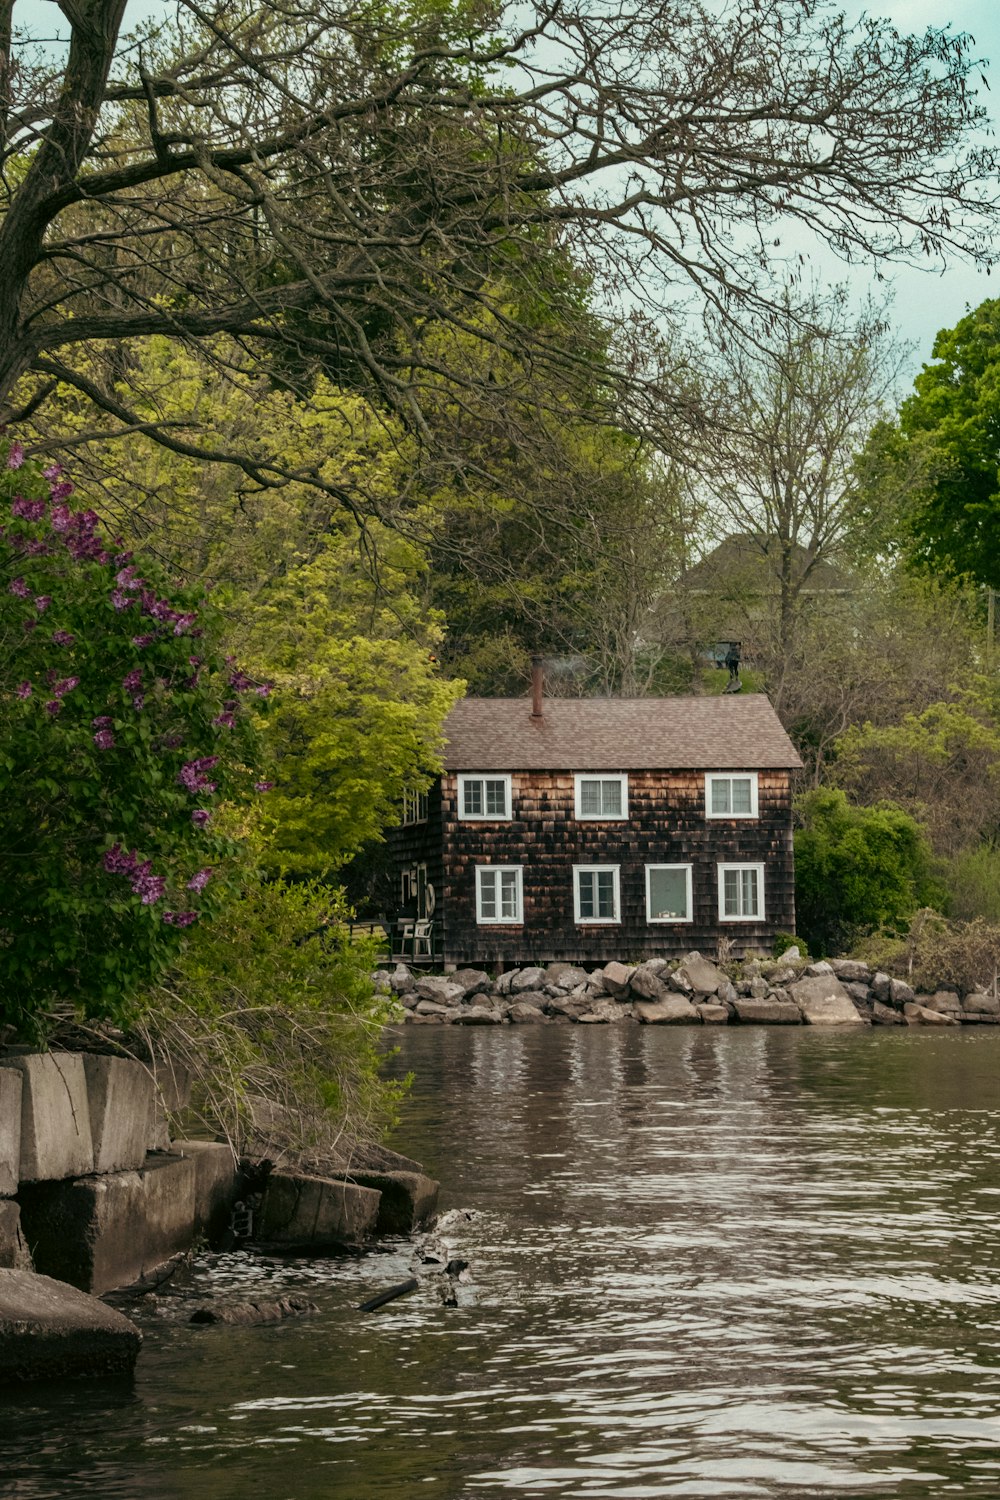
{"x": 924, "y": 301}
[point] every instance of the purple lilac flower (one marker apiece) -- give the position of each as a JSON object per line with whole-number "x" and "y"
{"x": 34, "y": 548}
{"x": 143, "y": 640}
{"x": 192, "y": 775}
{"x": 65, "y": 685}
{"x": 61, "y": 517}
{"x": 28, "y": 510}
{"x": 180, "y": 918}
{"x": 225, "y": 721}
{"x": 132, "y": 681}
{"x": 62, "y": 638}
{"x": 240, "y": 682}
{"x": 24, "y": 690}
{"x": 104, "y": 739}
{"x": 103, "y": 721}
{"x": 62, "y": 491}
{"x": 29, "y": 623}
{"x": 118, "y": 861}
{"x": 183, "y": 623}
{"x": 52, "y": 472}
{"x": 198, "y": 882}
{"x": 42, "y": 603}
{"x": 263, "y": 689}
{"x": 149, "y": 888}
{"x": 200, "y": 817}
{"x": 53, "y": 707}
{"x": 15, "y": 456}
{"x": 19, "y": 588}
{"x": 138, "y": 703}
{"x": 263, "y": 786}
{"x": 121, "y": 600}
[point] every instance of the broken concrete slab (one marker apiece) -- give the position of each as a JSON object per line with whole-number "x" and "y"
{"x": 55, "y": 1115}
{"x": 408, "y": 1199}
{"x": 316, "y": 1211}
{"x": 10, "y": 1131}
{"x": 14, "y": 1252}
{"x": 99, "y": 1233}
{"x": 121, "y": 1096}
{"x": 51, "y": 1331}
{"x": 216, "y": 1187}
{"x": 823, "y": 1001}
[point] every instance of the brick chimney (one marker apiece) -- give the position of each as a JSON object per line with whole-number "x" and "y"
{"x": 537, "y": 686}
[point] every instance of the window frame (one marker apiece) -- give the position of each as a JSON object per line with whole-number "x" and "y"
{"x": 688, "y": 893}
{"x": 500, "y": 920}
{"x": 484, "y": 816}
{"x": 739, "y": 864}
{"x": 614, "y": 921}
{"x": 416, "y": 807}
{"x": 579, "y": 777}
{"x": 751, "y": 776}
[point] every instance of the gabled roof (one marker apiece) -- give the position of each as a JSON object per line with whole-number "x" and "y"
{"x": 738, "y": 732}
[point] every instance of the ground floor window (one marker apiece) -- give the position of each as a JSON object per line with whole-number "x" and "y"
{"x": 668, "y": 893}
{"x": 741, "y": 893}
{"x": 596, "y": 893}
{"x": 499, "y": 893}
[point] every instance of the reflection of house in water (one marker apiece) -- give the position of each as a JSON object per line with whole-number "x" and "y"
{"x": 733, "y": 595}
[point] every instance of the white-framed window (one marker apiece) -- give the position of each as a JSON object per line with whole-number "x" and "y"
{"x": 668, "y": 893}
{"x": 415, "y": 807}
{"x": 596, "y": 893}
{"x": 483, "y": 796}
{"x": 499, "y": 894}
{"x": 731, "y": 794}
{"x": 601, "y": 797}
{"x": 741, "y": 893}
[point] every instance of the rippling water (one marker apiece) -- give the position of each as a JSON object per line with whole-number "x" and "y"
{"x": 737, "y": 1263}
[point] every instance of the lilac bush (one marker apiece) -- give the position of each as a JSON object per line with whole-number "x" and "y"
{"x": 124, "y": 730}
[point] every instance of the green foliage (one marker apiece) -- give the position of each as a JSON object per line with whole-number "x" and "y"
{"x": 121, "y": 728}
{"x": 857, "y": 869}
{"x": 973, "y": 879}
{"x": 937, "y": 953}
{"x": 273, "y": 1002}
{"x": 947, "y": 452}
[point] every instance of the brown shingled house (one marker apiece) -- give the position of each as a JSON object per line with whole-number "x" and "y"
{"x": 595, "y": 828}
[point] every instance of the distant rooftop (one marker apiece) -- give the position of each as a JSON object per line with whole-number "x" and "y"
{"x": 752, "y": 561}
{"x": 734, "y": 732}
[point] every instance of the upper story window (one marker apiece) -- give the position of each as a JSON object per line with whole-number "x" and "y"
{"x": 601, "y": 797}
{"x": 481, "y": 797}
{"x": 499, "y": 894}
{"x": 596, "y": 896}
{"x": 731, "y": 794}
{"x": 668, "y": 893}
{"x": 414, "y": 807}
{"x": 741, "y": 893}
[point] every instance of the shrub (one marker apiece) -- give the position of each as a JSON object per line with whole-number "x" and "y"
{"x": 973, "y": 878}
{"x": 857, "y": 869}
{"x": 936, "y": 952}
{"x": 272, "y": 1001}
{"x": 122, "y": 727}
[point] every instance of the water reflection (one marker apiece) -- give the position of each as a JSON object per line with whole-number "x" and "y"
{"x": 754, "y": 1263}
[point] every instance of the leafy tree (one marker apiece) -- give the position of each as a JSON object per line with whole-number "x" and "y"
{"x": 857, "y": 869}
{"x": 121, "y": 730}
{"x": 944, "y": 457}
{"x": 335, "y": 185}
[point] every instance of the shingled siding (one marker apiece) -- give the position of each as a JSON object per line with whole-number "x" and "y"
{"x": 420, "y": 843}
{"x": 666, "y": 825}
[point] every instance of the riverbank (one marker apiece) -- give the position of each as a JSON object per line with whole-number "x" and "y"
{"x": 788, "y": 991}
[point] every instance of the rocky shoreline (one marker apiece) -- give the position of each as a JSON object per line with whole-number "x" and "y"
{"x": 788, "y": 991}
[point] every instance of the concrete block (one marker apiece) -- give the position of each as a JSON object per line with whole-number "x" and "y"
{"x": 99, "y": 1233}
{"x": 10, "y": 1131}
{"x": 315, "y": 1211}
{"x": 14, "y": 1252}
{"x": 172, "y": 1084}
{"x": 55, "y": 1115}
{"x": 408, "y": 1199}
{"x": 51, "y": 1331}
{"x": 121, "y": 1096}
{"x": 216, "y": 1186}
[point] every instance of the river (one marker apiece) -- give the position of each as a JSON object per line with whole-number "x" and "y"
{"x": 741, "y": 1262}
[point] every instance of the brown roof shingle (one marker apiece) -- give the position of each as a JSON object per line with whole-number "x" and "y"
{"x": 734, "y": 732}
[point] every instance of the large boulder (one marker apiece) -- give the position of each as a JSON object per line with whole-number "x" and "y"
{"x": 673, "y": 1010}
{"x": 984, "y": 1005}
{"x": 52, "y": 1331}
{"x": 564, "y": 977}
{"x": 851, "y": 970}
{"x": 440, "y": 988}
{"x": 714, "y": 1015}
{"x": 647, "y": 984}
{"x": 521, "y": 1014}
{"x": 616, "y": 980}
{"x": 479, "y": 1015}
{"x": 700, "y": 975}
{"x": 606, "y": 1010}
{"x": 10, "y": 1131}
{"x": 768, "y": 1012}
{"x": 945, "y": 1000}
{"x": 527, "y": 979}
{"x": 472, "y": 981}
{"x": 823, "y": 1001}
{"x": 922, "y": 1015}
{"x": 316, "y": 1212}
{"x": 401, "y": 980}
{"x": 884, "y": 1015}
{"x": 55, "y": 1115}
